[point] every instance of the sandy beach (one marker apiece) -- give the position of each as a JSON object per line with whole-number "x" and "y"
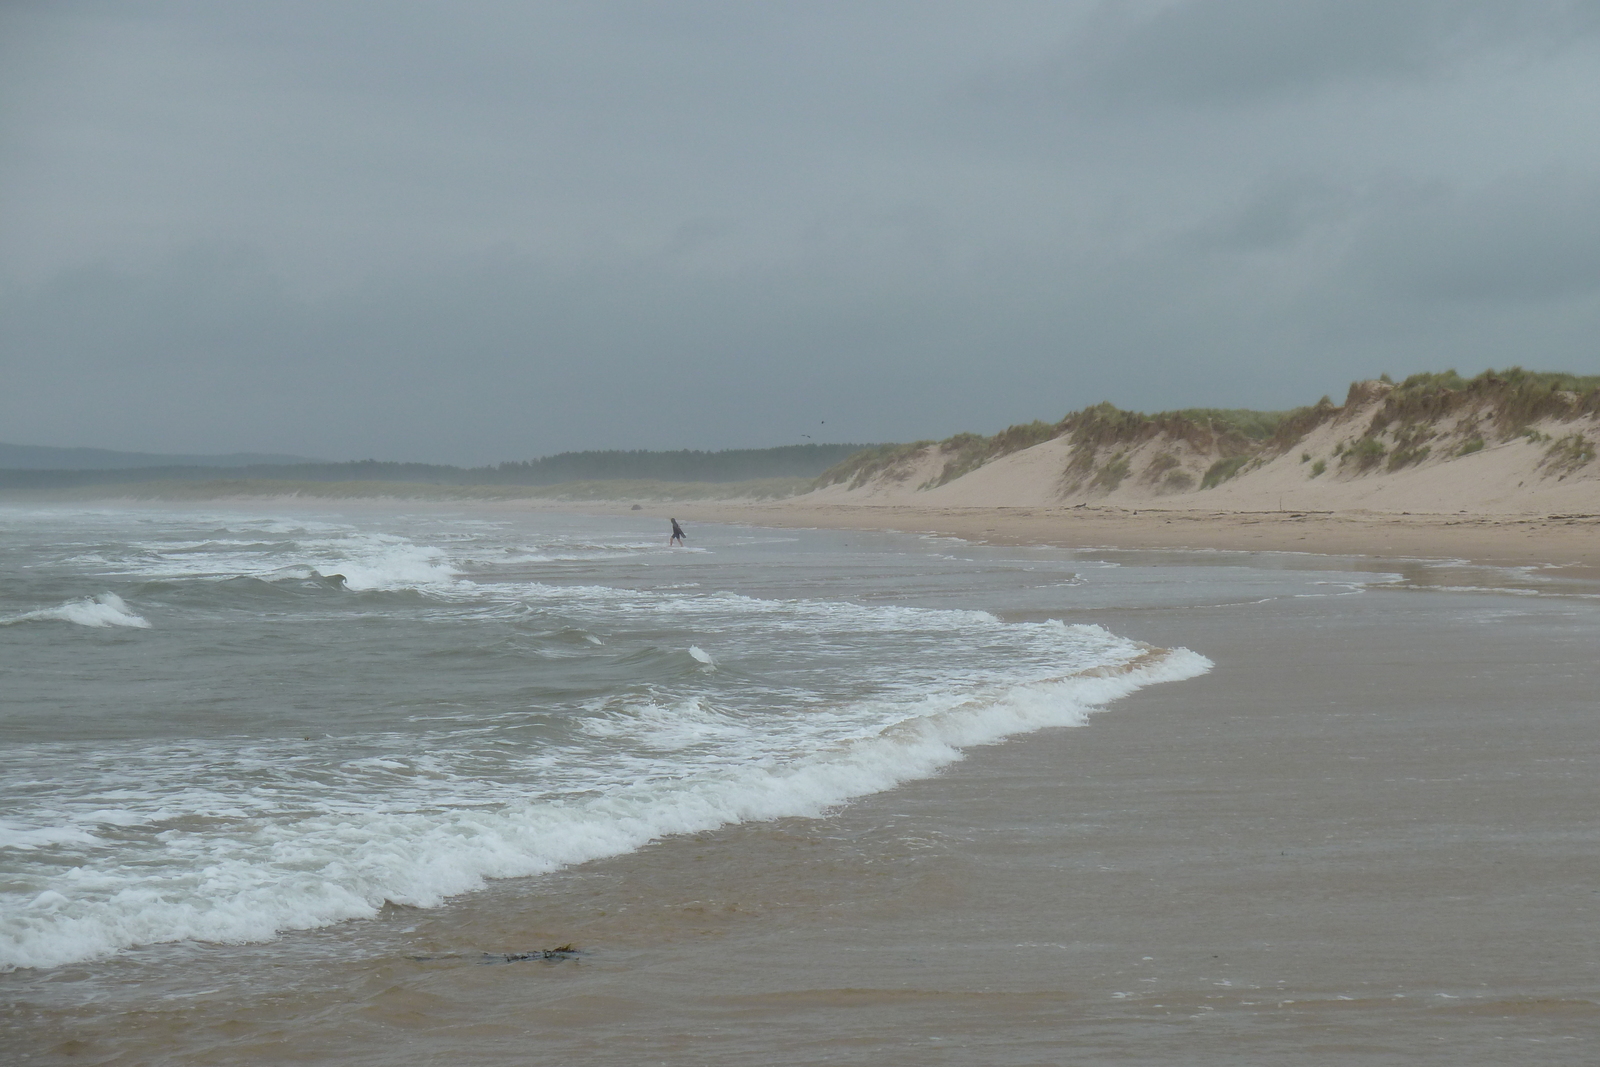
{"x": 1568, "y": 544}
{"x": 1365, "y": 838}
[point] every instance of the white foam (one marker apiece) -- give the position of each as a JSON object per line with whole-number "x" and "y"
{"x": 675, "y": 727}
{"x": 107, "y": 609}
{"x": 368, "y": 560}
{"x": 158, "y": 839}
{"x": 24, "y": 840}
{"x": 405, "y": 566}
{"x": 344, "y": 865}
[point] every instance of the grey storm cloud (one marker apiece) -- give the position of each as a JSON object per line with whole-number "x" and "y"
{"x": 1277, "y": 214}
{"x": 1527, "y": 238}
{"x": 495, "y": 230}
{"x": 1237, "y": 50}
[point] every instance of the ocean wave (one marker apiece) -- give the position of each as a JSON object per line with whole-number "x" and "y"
{"x": 107, "y": 609}
{"x": 342, "y": 865}
{"x": 477, "y": 725}
{"x": 403, "y": 566}
{"x": 26, "y": 840}
{"x": 366, "y": 560}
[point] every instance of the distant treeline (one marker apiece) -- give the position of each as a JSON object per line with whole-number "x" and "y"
{"x": 729, "y": 465}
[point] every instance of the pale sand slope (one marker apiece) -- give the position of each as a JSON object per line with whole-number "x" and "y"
{"x": 1505, "y": 478}
{"x": 1030, "y": 478}
{"x": 1532, "y": 499}
{"x": 1509, "y": 478}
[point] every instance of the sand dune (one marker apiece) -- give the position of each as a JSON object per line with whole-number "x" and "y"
{"x": 1491, "y": 470}
{"x": 1469, "y": 459}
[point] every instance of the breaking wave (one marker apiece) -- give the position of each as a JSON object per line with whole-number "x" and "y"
{"x": 342, "y": 865}
{"x": 107, "y": 609}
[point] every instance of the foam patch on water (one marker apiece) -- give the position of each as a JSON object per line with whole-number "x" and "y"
{"x": 404, "y": 566}
{"x": 107, "y": 609}
{"x": 368, "y": 560}
{"x": 27, "y": 840}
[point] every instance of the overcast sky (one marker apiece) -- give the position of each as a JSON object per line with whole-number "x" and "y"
{"x": 480, "y": 230}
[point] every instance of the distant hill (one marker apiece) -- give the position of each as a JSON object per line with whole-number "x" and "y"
{"x": 43, "y": 457}
{"x": 729, "y": 465}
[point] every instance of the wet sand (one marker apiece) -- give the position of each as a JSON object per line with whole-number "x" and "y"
{"x": 1371, "y": 835}
{"x": 1567, "y": 541}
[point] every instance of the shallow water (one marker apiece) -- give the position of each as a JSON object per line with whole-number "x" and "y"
{"x": 222, "y": 726}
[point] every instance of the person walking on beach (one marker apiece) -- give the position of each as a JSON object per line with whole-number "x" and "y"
{"x": 677, "y": 534}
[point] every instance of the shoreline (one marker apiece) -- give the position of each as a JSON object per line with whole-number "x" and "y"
{"x": 1569, "y": 542}
{"x": 1271, "y": 863}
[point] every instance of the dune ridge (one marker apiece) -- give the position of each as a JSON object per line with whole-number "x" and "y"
{"x": 1513, "y": 442}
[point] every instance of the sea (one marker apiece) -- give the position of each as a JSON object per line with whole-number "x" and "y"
{"x": 238, "y": 740}
{"x": 223, "y": 725}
